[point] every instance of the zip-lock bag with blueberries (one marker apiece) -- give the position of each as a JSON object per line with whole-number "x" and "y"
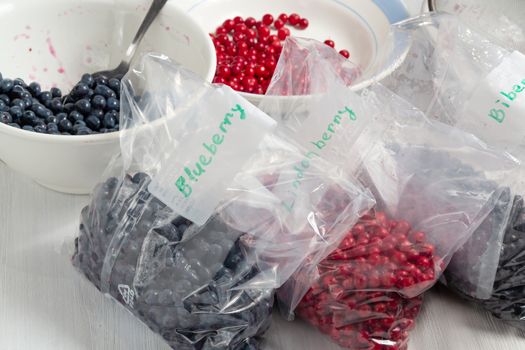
{"x": 463, "y": 79}
{"x": 434, "y": 185}
{"x": 206, "y": 211}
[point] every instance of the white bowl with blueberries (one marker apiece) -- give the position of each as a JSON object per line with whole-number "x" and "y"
{"x": 58, "y": 123}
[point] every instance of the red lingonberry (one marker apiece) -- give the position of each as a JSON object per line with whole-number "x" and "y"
{"x": 250, "y": 22}
{"x": 303, "y": 23}
{"x": 330, "y": 43}
{"x": 294, "y": 19}
{"x": 278, "y": 24}
{"x": 228, "y": 24}
{"x": 344, "y": 53}
{"x": 283, "y": 33}
{"x": 267, "y": 19}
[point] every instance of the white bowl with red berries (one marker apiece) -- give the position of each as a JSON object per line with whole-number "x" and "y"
{"x": 64, "y": 141}
{"x": 248, "y": 36}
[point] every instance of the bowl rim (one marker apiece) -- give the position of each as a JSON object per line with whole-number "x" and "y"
{"x": 109, "y": 137}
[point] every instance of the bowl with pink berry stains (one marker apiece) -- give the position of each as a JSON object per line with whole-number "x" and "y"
{"x": 249, "y": 35}
{"x": 59, "y": 124}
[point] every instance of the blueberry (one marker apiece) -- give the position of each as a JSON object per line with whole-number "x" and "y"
{"x": 58, "y": 117}
{"x": 55, "y": 92}
{"x": 39, "y": 121}
{"x": 3, "y": 106}
{"x": 28, "y": 128}
{"x": 88, "y": 80}
{"x": 74, "y": 116}
{"x": 109, "y": 121}
{"x": 114, "y": 84}
{"x": 5, "y": 98}
{"x": 56, "y": 105}
{"x": 79, "y": 123}
{"x": 104, "y": 91}
{"x": 39, "y": 110}
{"x": 113, "y": 104}
{"x": 101, "y": 80}
{"x": 17, "y": 91}
{"x": 84, "y": 131}
{"x": 79, "y": 91}
{"x": 93, "y": 122}
{"x": 44, "y": 96}
{"x": 14, "y": 125}
{"x": 83, "y": 106}
{"x": 28, "y": 118}
{"x": 18, "y": 102}
{"x": 28, "y": 102}
{"x": 98, "y": 101}
{"x": 26, "y": 94}
{"x": 99, "y": 113}
{"x": 35, "y": 88}
{"x": 65, "y": 125}
{"x": 6, "y": 85}
{"x": 52, "y": 127}
{"x": 16, "y": 112}
{"x": 140, "y": 177}
{"x": 5, "y": 118}
{"x": 51, "y": 119}
{"x": 19, "y": 82}
{"x": 69, "y": 107}
{"x": 40, "y": 129}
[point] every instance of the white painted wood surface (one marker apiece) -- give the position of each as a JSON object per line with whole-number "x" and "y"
{"x": 46, "y": 305}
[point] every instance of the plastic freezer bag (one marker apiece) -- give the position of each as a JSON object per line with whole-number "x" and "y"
{"x": 461, "y": 78}
{"x": 434, "y": 185}
{"x": 187, "y": 229}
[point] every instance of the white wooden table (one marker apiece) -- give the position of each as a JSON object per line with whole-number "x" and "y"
{"x": 46, "y": 305}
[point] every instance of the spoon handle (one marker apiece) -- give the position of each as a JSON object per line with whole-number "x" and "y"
{"x": 153, "y": 11}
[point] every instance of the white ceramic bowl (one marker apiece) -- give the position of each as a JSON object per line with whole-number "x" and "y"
{"x": 356, "y": 25}
{"x": 54, "y": 42}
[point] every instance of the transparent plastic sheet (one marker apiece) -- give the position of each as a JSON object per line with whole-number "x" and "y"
{"x": 209, "y": 285}
{"x": 434, "y": 184}
{"x": 463, "y": 79}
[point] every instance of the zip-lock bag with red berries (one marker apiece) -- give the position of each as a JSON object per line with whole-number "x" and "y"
{"x": 434, "y": 185}
{"x": 465, "y": 80}
{"x": 206, "y": 211}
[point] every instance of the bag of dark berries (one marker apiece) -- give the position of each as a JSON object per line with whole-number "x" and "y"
{"x": 464, "y": 79}
{"x": 206, "y": 211}
{"x": 434, "y": 185}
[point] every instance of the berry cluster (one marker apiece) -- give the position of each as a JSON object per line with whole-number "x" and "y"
{"x": 248, "y": 52}
{"x": 177, "y": 278}
{"x": 378, "y": 254}
{"x": 508, "y": 297}
{"x": 92, "y": 106}
{"x": 468, "y": 271}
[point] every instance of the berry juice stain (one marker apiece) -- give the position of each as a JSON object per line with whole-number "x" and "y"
{"x": 61, "y": 70}
{"x": 51, "y": 48}
{"x": 21, "y": 36}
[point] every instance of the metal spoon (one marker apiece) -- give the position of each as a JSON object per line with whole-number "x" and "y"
{"x": 123, "y": 67}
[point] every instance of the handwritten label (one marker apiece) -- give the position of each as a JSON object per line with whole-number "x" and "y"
{"x": 332, "y": 125}
{"x": 317, "y": 145}
{"x": 226, "y": 131}
{"x": 496, "y": 111}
